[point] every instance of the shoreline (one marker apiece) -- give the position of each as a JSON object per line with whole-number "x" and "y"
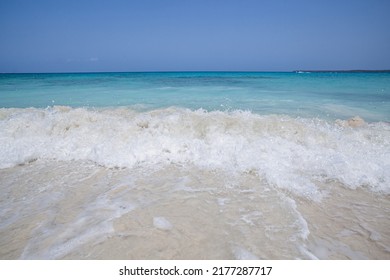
{"x": 78, "y": 210}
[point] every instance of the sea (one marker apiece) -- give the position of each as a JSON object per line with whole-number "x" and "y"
{"x": 195, "y": 165}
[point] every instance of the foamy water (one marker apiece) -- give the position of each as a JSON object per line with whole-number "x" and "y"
{"x": 195, "y": 166}
{"x": 181, "y": 183}
{"x": 288, "y": 152}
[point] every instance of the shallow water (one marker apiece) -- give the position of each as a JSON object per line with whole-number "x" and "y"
{"x": 324, "y": 95}
{"x": 194, "y": 166}
{"x": 176, "y": 183}
{"x": 57, "y": 210}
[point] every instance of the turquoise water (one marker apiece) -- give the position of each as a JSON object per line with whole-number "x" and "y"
{"x": 323, "y": 95}
{"x": 195, "y": 166}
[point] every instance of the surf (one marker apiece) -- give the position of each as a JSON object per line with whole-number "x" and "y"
{"x": 291, "y": 153}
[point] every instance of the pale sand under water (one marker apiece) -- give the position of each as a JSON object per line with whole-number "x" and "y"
{"x": 78, "y": 210}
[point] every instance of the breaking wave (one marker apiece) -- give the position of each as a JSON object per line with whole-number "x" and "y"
{"x": 296, "y": 154}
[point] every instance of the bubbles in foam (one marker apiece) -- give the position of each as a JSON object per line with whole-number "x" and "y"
{"x": 162, "y": 223}
{"x": 292, "y": 154}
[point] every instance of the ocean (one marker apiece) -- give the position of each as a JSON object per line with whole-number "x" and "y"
{"x": 195, "y": 165}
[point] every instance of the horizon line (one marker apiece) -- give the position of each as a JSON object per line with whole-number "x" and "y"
{"x": 214, "y": 71}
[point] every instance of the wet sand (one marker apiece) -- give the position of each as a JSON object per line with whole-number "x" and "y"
{"x": 78, "y": 210}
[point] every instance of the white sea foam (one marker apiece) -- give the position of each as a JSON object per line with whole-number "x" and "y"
{"x": 94, "y": 222}
{"x": 289, "y": 153}
{"x": 162, "y": 223}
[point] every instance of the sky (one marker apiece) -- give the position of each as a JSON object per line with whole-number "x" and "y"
{"x": 193, "y": 35}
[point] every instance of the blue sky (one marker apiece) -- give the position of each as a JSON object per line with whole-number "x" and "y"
{"x": 193, "y": 35}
